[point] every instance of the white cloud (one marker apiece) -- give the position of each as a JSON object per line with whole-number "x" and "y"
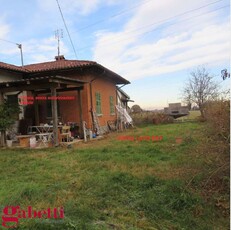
{"x": 5, "y": 29}
{"x": 72, "y": 6}
{"x": 41, "y": 50}
{"x": 204, "y": 39}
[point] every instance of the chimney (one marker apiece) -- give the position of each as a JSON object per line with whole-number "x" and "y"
{"x": 59, "y": 58}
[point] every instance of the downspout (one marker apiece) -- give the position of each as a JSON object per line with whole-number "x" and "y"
{"x": 91, "y": 100}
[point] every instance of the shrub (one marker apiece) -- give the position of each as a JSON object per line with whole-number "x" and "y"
{"x": 217, "y": 114}
{"x": 8, "y": 114}
{"x": 148, "y": 117}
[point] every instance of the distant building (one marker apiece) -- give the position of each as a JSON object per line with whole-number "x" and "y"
{"x": 176, "y": 110}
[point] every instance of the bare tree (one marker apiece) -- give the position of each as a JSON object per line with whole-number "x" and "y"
{"x": 200, "y": 88}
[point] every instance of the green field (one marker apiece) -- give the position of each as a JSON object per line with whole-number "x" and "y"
{"x": 193, "y": 115}
{"x": 116, "y": 184}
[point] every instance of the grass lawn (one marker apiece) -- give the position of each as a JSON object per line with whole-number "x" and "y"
{"x": 193, "y": 115}
{"x": 114, "y": 184}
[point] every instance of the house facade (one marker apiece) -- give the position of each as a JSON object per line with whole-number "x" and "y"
{"x": 91, "y": 87}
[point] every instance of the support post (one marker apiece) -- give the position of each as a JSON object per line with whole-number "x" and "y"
{"x": 36, "y": 110}
{"x": 54, "y": 116}
{"x": 3, "y": 133}
{"x": 80, "y": 112}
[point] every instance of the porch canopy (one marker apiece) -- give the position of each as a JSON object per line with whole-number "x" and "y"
{"x": 41, "y": 85}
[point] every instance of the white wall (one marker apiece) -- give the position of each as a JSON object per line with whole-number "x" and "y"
{"x": 9, "y": 76}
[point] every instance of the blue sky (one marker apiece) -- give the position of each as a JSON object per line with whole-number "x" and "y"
{"x": 153, "y": 44}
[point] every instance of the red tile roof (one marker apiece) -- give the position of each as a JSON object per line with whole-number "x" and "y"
{"x": 57, "y": 65}
{"x": 12, "y": 67}
{"x": 61, "y": 64}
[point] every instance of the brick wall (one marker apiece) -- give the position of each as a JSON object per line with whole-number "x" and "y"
{"x": 106, "y": 89}
{"x": 69, "y": 110}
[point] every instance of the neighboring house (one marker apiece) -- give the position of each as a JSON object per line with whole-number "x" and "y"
{"x": 176, "y": 110}
{"x": 93, "y": 87}
{"x": 123, "y": 99}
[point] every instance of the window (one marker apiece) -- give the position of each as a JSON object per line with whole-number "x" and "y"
{"x": 12, "y": 99}
{"x": 98, "y": 103}
{"x": 112, "y": 106}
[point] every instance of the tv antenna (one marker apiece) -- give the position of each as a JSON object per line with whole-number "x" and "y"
{"x": 58, "y": 36}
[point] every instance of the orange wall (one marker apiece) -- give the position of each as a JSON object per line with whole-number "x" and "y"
{"x": 69, "y": 110}
{"x": 106, "y": 89}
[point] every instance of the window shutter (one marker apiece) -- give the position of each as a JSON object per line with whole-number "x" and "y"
{"x": 112, "y": 107}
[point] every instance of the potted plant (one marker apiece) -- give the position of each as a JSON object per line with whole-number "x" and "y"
{"x": 9, "y": 141}
{"x": 8, "y": 115}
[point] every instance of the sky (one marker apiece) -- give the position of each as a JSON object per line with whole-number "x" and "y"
{"x": 153, "y": 44}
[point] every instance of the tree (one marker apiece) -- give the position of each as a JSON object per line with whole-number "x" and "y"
{"x": 200, "y": 88}
{"x": 136, "y": 109}
{"x": 8, "y": 115}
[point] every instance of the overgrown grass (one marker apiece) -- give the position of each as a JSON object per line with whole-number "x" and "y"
{"x": 193, "y": 115}
{"x": 112, "y": 184}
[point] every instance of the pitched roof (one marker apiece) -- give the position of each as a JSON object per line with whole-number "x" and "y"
{"x": 12, "y": 67}
{"x": 62, "y": 64}
{"x": 121, "y": 91}
{"x": 57, "y": 65}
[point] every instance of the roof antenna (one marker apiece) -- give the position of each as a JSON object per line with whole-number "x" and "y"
{"x": 58, "y": 35}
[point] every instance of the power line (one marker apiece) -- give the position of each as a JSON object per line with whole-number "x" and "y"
{"x": 167, "y": 19}
{"x": 125, "y": 11}
{"x": 131, "y": 31}
{"x": 177, "y": 23}
{"x": 8, "y": 41}
{"x": 67, "y": 29}
{"x": 113, "y": 16}
{"x": 19, "y": 46}
{"x": 178, "y": 15}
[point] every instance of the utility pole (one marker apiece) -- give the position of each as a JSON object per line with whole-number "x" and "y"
{"x": 20, "y": 47}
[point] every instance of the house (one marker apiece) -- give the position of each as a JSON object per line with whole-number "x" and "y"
{"x": 91, "y": 87}
{"x": 176, "y": 110}
{"x": 123, "y": 98}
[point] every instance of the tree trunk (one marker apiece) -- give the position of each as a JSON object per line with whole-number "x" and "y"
{"x": 3, "y": 139}
{"x": 202, "y": 112}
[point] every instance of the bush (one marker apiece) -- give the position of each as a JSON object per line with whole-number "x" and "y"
{"x": 148, "y": 117}
{"x": 8, "y": 114}
{"x": 217, "y": 114}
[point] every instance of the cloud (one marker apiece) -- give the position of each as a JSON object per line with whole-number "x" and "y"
{"x": 200, "y": 40}
{"x": 35, "y": 50}
{"x": 5, "y": 29}
{"x": 78, "y": 7}
{"x": 41, "y": 50}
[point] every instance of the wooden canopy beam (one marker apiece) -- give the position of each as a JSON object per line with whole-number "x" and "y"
{"x": 28, "y": 87}
{"x": 60, "y": 90}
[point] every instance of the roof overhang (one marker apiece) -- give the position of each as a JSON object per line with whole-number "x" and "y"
{"x": 114, "y": 76}
{"x": 40, "y": 83}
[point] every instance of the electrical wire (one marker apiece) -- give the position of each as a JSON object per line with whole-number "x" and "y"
{"x": 114, "y": 15}
{"x": 122, "y": 12}
{"x": 105, "y": 40}
{"x": 73, "y": 47}
{"x": 8, "y": 41}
